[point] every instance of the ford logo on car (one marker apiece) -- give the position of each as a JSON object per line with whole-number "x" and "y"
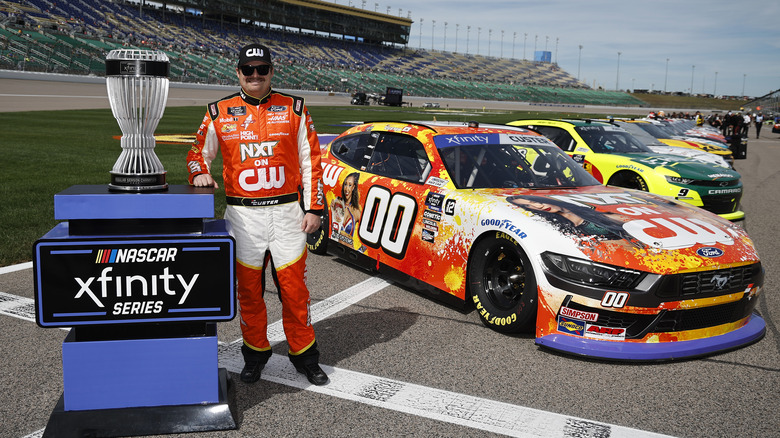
{"x": 710, "y": 252}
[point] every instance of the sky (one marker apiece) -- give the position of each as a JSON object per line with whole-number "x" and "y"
{"x": 713, "y": 47}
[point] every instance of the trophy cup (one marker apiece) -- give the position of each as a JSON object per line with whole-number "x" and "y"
{"x": 137, "y": 83}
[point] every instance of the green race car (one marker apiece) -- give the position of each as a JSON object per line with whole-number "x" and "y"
{"x": 616, "y": 158}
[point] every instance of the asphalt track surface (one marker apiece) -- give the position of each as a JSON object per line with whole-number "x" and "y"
{"x": 403, "y": 365}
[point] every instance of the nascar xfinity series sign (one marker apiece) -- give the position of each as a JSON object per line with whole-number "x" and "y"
{"x": 134, "y": 280}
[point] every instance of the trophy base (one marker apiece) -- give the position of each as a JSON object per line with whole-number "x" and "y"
{"x": 137, "y": 182}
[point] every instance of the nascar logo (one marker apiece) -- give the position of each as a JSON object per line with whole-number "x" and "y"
{"x": 135, "y": 255}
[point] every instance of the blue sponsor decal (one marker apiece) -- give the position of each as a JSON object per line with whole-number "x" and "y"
{"x": 709, "y": 252}
{"x": 571, "y": 326}
{"x": 443, "y": 141}
{"x": 434, "y": 201}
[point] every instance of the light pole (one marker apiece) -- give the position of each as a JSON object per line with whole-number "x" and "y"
{"x": 579, "y": 60}
{"x": 666, "y": 75}
{"x": 433, "y": 26}
{"x": 617, "y": 80}
{"x": 501, "y": 52}
{"x": 556, "y": 50}
{"x": 536, "y": 38}
{"x": 468, "y": 33}
{"x": 744, "y": 75}
{"x": 525, "y": 37}
{"x": 490, "y": 37}
{"x": 479, "y": 34}
{"x": 693, "y": 68}
{"x": 715, "y": 90}
{"x": 445, "y": 36}
{"x": 457, "y": 27}
{"x": 421, "y": 26}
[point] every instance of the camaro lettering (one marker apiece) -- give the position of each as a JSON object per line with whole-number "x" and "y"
{"x": 723, "y": 191}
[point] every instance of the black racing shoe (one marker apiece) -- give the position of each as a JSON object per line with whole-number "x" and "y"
{"x": 313, "y": 372}
{"x": 251, "y": 371}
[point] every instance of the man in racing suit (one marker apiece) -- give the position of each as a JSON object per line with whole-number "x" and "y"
{"x": 272, "y": 176}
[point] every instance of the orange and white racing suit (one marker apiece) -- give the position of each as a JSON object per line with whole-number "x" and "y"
{"x": 271, "y": 170}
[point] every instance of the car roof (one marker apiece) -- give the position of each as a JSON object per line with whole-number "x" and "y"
{"x": 573, "y": 122}
{"x": 454, "y": 127}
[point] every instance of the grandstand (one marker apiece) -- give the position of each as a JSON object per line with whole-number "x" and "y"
{"x": 74, "y": 37}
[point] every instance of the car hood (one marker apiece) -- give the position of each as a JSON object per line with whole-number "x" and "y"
{"x": 627, "y": 228}
{"x": 696, "y": 154}
{"x": 684, "y": 167}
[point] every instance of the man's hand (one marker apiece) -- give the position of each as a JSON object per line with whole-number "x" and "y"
{"x": 204, "y": 180}
{"x": 310, "y": 223}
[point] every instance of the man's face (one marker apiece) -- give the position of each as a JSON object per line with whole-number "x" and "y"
{"x": 255, "y": 85}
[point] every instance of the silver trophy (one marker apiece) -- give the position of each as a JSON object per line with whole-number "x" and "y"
{"x": 137, "y": 83}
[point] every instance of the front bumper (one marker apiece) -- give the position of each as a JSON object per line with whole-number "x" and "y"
{"x": 752, "y": 331}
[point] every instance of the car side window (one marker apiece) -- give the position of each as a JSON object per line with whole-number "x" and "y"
{"x": 399, "y": 156}
{"x": 353, "y": 149}
{"x": 559, "y": 136}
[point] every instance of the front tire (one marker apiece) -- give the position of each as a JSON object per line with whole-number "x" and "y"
{"x": 628, "y": 180}
{"x": 502, "y": 284}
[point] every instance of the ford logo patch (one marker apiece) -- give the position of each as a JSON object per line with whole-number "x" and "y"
{"x": 709, "y": 252}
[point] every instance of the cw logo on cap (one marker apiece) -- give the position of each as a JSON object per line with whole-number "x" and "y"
{"x": 254, "y": 52}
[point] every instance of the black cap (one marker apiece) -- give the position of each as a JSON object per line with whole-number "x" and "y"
{"x": 254, "y": 52}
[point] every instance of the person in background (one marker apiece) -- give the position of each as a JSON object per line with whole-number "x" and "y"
{"x": 759, "y": 120}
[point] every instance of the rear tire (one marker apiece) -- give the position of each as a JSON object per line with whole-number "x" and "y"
{"x": 502, "y": 284}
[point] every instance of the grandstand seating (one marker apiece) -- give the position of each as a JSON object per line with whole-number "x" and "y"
{"x": 75, "y": 36}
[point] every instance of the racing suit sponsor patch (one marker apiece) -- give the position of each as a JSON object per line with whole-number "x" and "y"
{"x": 236, "y": 110}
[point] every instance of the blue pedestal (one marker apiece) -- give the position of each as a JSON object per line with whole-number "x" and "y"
{"x": 142, "y": 278}
{"x": 139, "y": 372}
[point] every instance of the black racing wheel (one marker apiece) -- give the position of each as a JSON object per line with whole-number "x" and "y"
{"x": 502, "y": 284}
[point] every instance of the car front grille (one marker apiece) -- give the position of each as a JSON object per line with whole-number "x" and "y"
{"x": 669, "y": 321}
{"x": 710, "y": 283}
{"x": 720, "y": 204}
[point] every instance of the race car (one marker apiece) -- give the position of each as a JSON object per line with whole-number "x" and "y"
{"x": 501, "y": 220}
{"x": 616, "y": 158}
{"x": 660, "y": 132}
{"x": 657, "y": 146}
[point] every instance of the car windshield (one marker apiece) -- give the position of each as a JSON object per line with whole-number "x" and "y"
{"x": 610, "y": 140}
{"x": 639, "y": 134}
{"x": 512, "y": 165}
{"x": 654, "y": 130}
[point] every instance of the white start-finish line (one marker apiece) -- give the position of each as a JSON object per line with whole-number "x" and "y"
{"x": 445, "y": 406}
